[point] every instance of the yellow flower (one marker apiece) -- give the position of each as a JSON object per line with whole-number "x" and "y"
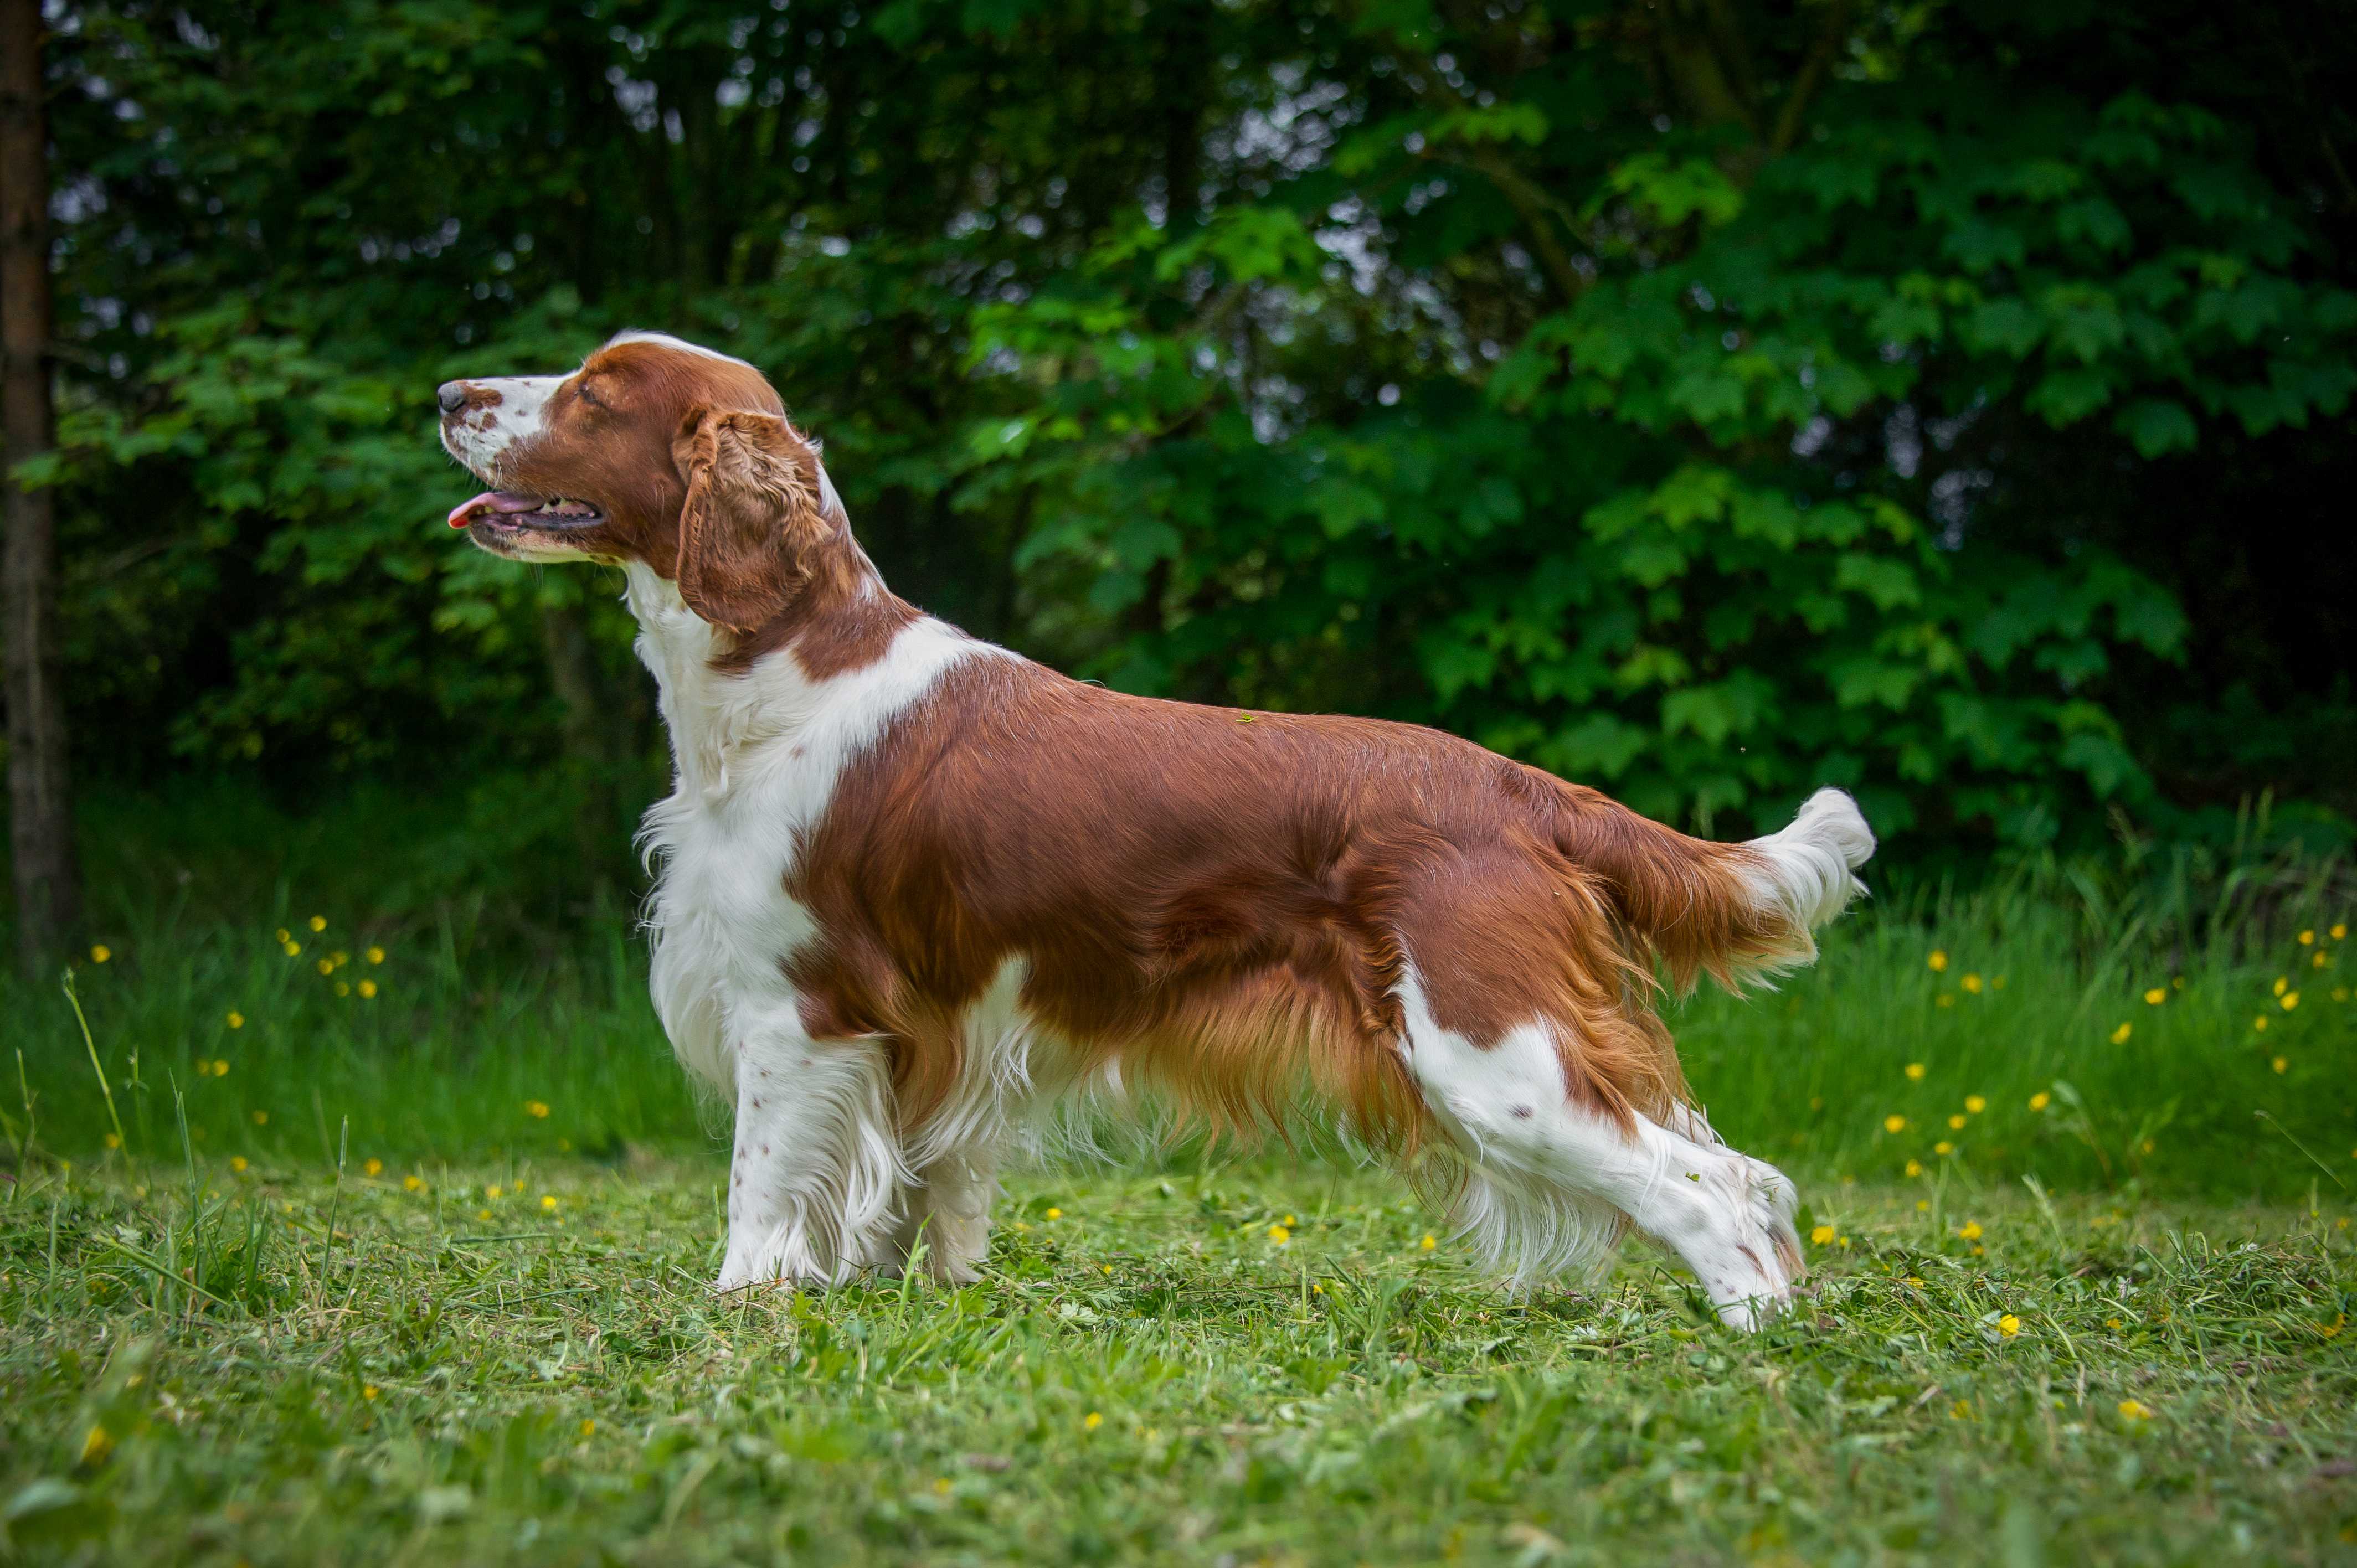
{"x": 493, "y": 1190}
{"x": 2307, "y": 938}
{"x": 2120, "y": 1036}
{"x": 1960, "y": 1411}
{"x": 376, "y": 955}
{"x": 96, "y": 1446}
{"x": 1093, "y": 1420}
{"x": 2340, "y": 993}
{"x": 1970, "y": 1230}
{"x": 327, "y": 966}
{"x": 100, "y": 953}
{"x": 2260, "y": 1023}
{"x": 2339, "y": 931}
{"x": 1427, "y": 1243}
{"x": 342, "y": 989}
{"x": 1943, "y": 1147}
{"x": 1894, "y": 1124}
{"x": 236, "y": 1020}
{"x": 482, "y": 1214}
{"x": 2111, "y": 1323}
{"x": 1055, "y": 1214}
{"x": 2281, "y": 1064}
{"x": 261, "y": 1118}
{"x": 1938, "y": 960}
{"x": 413, "y": 1182}
{"x": 1972, "y": 983}
{"x": 2009, "y": 1325}
{"x": 1976, "y": 1104}
{"x": 2283, "y": 984}
{"x": 537, "y": 1108}
{"x": 1822, "y": 1236}
{"x": 588, "y": 1428}
{"x": 114, "y": 1141}
{"x": 2156, "y": 995}
{"x": 367, "y": 1391}
{"x": 1279, "y": 1234}
{"x": 294, "y": 950}
{"x": 2290, "y": 1000}
{"x": 1914, "y": 1167}
{"x": 367, "y": 990}
{"x": 221, "y": 1068}
{"x": 1287, "y": 1222}
{"x": 283, "y": 934}
{"x": 374, "y": 1167}
{"x": 1955, "y": 1124}
{"x": 340, "y": 958}
{"x": 1915, "y": 1071}
{"x": 2040, "y": 1100}
{"x": 237, "y": 1163}
{"x": 318, "y": 922}
{"x": 548, "y": 1202}
{"x": 2134, "y": 1410}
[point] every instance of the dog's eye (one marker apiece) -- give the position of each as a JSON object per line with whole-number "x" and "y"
{"x": 583, "y": 391}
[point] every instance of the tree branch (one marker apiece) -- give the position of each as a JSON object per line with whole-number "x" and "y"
{"x": 1813, "y": 71}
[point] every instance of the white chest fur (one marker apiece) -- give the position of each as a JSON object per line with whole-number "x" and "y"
{"x": 758, "y": 757}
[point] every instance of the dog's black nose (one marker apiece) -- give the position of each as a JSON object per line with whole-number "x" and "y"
{"x": 453, "y": 396}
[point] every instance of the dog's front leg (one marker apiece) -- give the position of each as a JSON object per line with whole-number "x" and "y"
{"x": 816, "y": 1183}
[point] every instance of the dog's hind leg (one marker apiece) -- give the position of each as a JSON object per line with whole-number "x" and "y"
{"x": 946, "y": 1211}
{"x": 817, "y": 1173}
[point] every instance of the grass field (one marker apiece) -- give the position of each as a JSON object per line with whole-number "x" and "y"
{"x": 372, "y": 1225}
{"x": 1241, "y": 1363}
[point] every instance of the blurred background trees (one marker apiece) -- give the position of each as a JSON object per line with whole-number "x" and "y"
{"x": 1703, "y": 399}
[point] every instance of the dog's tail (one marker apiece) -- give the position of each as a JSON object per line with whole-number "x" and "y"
{"x": 1733, "y": 911}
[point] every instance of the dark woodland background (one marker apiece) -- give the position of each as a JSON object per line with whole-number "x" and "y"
{"x": 1703, "y": 399}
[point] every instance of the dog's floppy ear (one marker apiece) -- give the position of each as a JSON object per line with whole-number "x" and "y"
{"x": 752, "y": 518}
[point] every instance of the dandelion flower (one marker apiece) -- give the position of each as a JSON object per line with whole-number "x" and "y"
{"x": 1960, "y": 1411}
{"x": 2283, "y": 984}
{"x": 1938, "y": 960}
{"x": 2307, "y": 938}
{"x": 100, "y": 953}
{"x": 1970, "y": 1230}
{"x": 413, "y": 1183}
{"x": 2339, "y": 931}
{"x": 493, "y": 1190}
{"x": 2134, "y": 1410}
{"x": 237, "y": 1163}
{"x": 114, "y": 1141}
{"x": 482, "y": 1214}
{"x": 367, "y": 1391}
{"x": 2113, "y": 1322}
{"x": 1055, "y": 1214}
{"x": 1915, "y": 1071}
{"x": 1093, "y": 1420}
{"x": 367, "y": 990}
{"x": 2156, "y": 995}
{"x": 2318, "y": 961}
{"x": 283, "y": 934}
{"x": 327, "y": 966}
{"x": 2290, "y": 1000}
{"x": 374, "y": 1167}
{"x": 2009, "y": 1325}
{"x": 96, "y": 1446}
{"x": 548, "y": 1202}
{"x": 2281, "y": 1064}
{"x": 1279, "y": 1234}
{"x": 588, "y": 1428}
{"x": 1894, "y": 1124}
{"x": 343, "y": 989}
{"x": 1943, "y": 1147}
{"x": 261, "y": 1118}
{"x": 2260, "y": 1023}
{"x": 1822, "y": 1236}
{"x": 1972, "y": 983}
{"x": 375, "y": 955}
{"x": 2040, "y": 1100}
{"x": 2120, "y": 1036}
{"x": 1427, "y": 1243}
{"x": 294, "y": 950}
{"x": 536, "y": 1109}
{"x": 1914, "y": 1167}
{"x": 318, "y": 922}
{"x": 1976, "y": 1104}
{"x": 235, "y": 1020}
{"x": 1955, "y": 1124}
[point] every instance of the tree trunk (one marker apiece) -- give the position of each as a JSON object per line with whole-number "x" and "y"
{"x": 49, "y": 885}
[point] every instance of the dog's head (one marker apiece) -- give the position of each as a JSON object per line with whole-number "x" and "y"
{"x": 654, "y": 451}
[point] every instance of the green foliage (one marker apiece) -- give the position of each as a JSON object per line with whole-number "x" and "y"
{"x": 1703, "y": 409}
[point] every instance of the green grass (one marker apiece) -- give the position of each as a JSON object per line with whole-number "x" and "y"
{"x": 272, "y": 1366}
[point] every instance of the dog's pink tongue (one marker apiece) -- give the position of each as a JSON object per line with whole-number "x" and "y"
{"x": 492, "y": 500}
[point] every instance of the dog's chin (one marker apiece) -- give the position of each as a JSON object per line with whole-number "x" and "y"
{"x": 515, "y": 540}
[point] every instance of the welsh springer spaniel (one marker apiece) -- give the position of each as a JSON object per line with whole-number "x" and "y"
{"x": 914, "y": 888}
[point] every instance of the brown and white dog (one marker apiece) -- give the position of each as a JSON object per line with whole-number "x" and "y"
{"x": 914, "y": 888}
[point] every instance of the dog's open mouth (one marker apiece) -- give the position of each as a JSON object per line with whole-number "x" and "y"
{"x": 506, "y": 509}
